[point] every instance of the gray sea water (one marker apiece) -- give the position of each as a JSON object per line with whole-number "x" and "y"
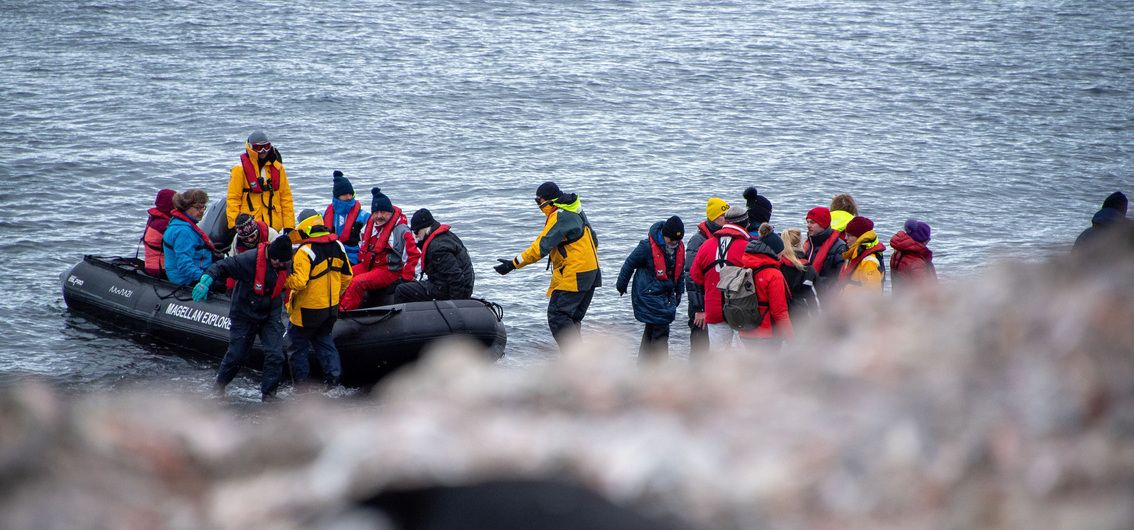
{"x": 1003, "y": 124}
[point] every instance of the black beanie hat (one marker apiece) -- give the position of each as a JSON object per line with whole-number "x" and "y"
{"x": 548, "y": 191}
{"x": 673, "y": 228}
{"x": 774, "y": 242}
{"x": 759, "y": 210}
{"x": 750, "y": 195}
{"x": 280, "y": 249}
{"x": 381, "y": 202}
{"x": 421, "y": 219}
{"x": 342, "y": 185}
{"x": 1116, "y": 200}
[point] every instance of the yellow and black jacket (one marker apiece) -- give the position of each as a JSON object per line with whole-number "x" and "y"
{"x": 272, "y": 204}
{"x": 319, "y": 277}
{"x": 570, "y": 242}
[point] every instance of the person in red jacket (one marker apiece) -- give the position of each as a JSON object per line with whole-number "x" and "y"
{"x": 912, "y": 261}
{"x": 387, "y": 253}
{"x": 155, "y": 229}
{"x": 726, "y": 246}
{"x": 763, "y": 255}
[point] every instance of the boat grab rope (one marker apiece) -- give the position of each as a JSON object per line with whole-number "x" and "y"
{"x": 494, "y": 307}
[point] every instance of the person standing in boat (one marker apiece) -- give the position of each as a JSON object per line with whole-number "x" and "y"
{"x": 155, "y": 229}
{"x": 258, "y": 186}
{"x": 256, "y": 309}
{"x": 186, "y": 248}
{"x": 570, "y": 242}
{"x": 320, "y": 274}
{"x": 658, "y": 269}
{"x": 387, "y": 253}
{"x": 345, "y": 215}
{"x": 445, "y": 264}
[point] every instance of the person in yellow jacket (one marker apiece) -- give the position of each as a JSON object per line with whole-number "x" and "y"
{"x": 319, "y": 277}
{"x": 569, "y": 241}
{"x": 258, "y": 186}
{"x": 843, "y": 209}
{"x": 864, "y": 270}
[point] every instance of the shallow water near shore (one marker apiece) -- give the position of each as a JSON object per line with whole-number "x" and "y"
{"x": 1003, "y": 125}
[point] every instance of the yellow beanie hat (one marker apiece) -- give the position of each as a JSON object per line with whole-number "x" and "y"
{"x": 715, "y": 208}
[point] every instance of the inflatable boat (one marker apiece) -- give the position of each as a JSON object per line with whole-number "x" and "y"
{"x": 372, "y": 342}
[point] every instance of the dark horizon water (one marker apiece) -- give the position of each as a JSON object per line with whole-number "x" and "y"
{"x": 1001, "y": 124}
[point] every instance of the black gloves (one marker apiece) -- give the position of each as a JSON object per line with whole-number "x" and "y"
{"x": 505, "y": 266}
{"x": 355, "y": 232}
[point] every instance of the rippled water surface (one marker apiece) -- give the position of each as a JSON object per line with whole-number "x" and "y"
{"x": 1003, "y": 124}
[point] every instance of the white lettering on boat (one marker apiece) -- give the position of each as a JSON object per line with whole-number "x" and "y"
{"x": 198, "y": 315}
{"x": 120, "y": 291}
{"x": 73, "y": 280}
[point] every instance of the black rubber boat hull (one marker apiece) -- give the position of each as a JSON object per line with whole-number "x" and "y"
{"x": 372, "y": 343}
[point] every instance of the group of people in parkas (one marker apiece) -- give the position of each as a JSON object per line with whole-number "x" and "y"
{"x": 348, "y": 257}
{"x": 314, "y": 264}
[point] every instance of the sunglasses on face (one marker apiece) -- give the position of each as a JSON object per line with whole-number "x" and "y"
{"x": 540, "y": 202}
{"x": 261, "y": 148}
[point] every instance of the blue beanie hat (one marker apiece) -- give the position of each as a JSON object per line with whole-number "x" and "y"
{"x": 342, "y": 185}
{"x": 381, "y": 202}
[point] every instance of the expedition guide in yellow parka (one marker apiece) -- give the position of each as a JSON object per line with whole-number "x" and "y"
{"x": 568, "y": 239}
{"x": 267, "y": 195}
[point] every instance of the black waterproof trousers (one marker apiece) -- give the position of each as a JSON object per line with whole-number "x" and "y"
{"x": 565, "y": 312}
{"x": 655, "y": 342}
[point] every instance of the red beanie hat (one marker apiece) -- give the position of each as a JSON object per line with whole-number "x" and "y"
{"x": 820, "y": 215}
{"x": 859, "y": 225}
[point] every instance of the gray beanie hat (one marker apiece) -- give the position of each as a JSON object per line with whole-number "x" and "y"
{"x": 258, "y": 138}
{"x": 736, "y": 215}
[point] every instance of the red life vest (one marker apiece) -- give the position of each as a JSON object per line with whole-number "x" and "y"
{"x": 659, "y": 261}
{"x": 425, "y": 246}
{"x": 178, "y": 214}
{"x": 850, "y": 267}
{"x": 352, "y": 216}
{"x": 704, "y": 229}
{"x": 262, "y": 272}
{"x": 253, "y": 178}
{"x": 820, "y": 258}
{"x": 376, "y": 245}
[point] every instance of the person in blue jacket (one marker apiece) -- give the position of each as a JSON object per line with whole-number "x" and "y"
{"x": 187, "y": 249}
{"x": 345, "y": 216}
{"x": 658, "y": 268}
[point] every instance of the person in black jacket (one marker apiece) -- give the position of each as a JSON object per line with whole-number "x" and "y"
{"x": 658, "y": 273}
{"x": 256, "y": 310}
{"x": 447, "y": 271}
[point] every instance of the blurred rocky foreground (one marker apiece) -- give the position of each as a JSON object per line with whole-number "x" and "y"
{"x": 1002, "y": 401}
